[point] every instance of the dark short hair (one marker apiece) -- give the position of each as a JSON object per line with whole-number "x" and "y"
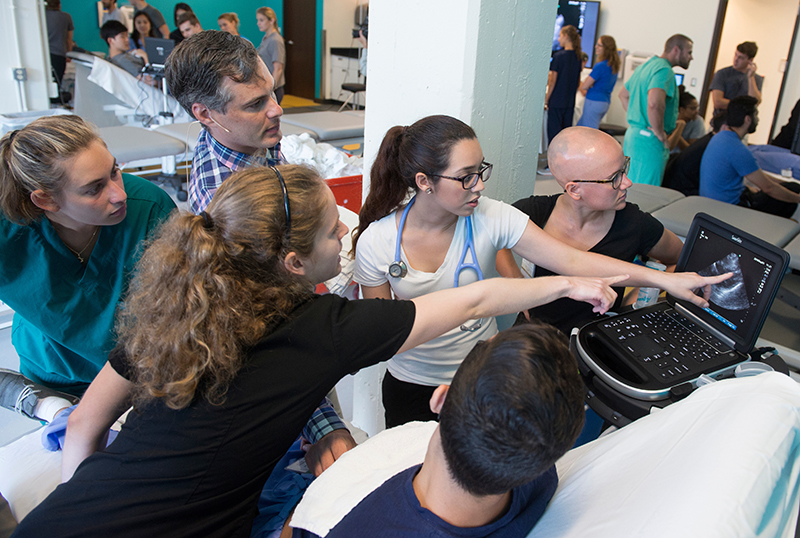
{"x": 748, "y": 48}
{"x": 719, "y": 119}
{"x": 198, "y": 66}
{"x": 685, "y": 99}
{"x": 182, "y": 6}
{"x": 188, "y": 16}
{"x": 678, "y": 40}
{"x": 112, "y": 29}
{"x": 739, "y": 108}
{"x": 515, "y": 406}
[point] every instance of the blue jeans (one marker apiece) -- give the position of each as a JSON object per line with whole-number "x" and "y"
{"x": 593, "y": 112}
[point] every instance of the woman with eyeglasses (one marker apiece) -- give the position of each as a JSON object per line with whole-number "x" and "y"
{"x": 600, "y": 83}
{"x": 449, "y": 235}
{"x": 591, "y": 215}
{"x": 225, "y": 352}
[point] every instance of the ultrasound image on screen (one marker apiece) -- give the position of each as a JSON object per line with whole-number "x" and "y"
{"x": 730, "y": 294}
{"x": 734, "y": 303}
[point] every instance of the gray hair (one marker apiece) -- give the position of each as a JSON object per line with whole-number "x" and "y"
{"x": 197, "y": 68}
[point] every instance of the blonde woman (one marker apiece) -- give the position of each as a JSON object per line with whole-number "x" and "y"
{"x": 71, "y": 225}
{"x": 272, "y": 49}
{"x": 229, "y": 22}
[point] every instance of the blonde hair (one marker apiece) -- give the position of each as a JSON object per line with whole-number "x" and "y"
{"x": 209, "y": 287}
{"x": 33, "y": 158}
{"x": 232, "y": 18}
{"x": 269, "y": 13}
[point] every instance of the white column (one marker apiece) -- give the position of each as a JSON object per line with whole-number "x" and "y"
{"x": 483, "y": 61}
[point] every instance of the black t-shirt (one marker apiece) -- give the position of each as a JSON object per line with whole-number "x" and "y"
{"x": 633, "y": 232}
{"x": 683, "y": 171}
{"x": 568, "y": 67}
{"x": 786, "y": 136}
{"x": 198, "y": 471}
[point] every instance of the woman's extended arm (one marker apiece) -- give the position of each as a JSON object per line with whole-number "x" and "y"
{"x": 444, "y": 310}
{"x": 543, "y": 249}
{"x": 87, "y": 427}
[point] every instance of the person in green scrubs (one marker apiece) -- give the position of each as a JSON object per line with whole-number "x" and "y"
{"x": 650, "y": 98}
{"x": 71, "y": 229}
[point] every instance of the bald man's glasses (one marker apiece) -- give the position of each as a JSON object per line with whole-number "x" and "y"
{"x": 470, "y": 180}
{"x": 615, "y": 179}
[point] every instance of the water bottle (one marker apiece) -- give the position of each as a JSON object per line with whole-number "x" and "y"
{"x": 648, "y": 296}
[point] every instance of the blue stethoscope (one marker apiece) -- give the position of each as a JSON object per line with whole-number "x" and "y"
{"x": 398, "y": 268}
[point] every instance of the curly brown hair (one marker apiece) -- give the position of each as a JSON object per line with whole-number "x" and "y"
{"x": 208, "y": 288}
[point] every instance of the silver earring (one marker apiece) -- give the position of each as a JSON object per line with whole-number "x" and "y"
{"x": 428, "y": 190}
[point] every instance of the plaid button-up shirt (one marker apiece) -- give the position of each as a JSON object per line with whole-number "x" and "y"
{"x": 213, "y": 163}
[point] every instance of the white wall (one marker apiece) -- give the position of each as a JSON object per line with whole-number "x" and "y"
{"x": 772, "y": 30}
{"x": 23, "y": 42}
{"x": 644, "y": 26}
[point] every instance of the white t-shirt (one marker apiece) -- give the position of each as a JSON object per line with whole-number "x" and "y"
{"x": 496, "y": 226}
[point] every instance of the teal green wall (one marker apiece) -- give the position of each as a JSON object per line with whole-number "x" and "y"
{"x": 87, "y": 32}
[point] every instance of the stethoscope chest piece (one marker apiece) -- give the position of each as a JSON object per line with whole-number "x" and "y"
{"x": 398, "y": 269}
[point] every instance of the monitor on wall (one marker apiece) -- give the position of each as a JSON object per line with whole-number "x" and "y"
{"x": 582, "y": 15}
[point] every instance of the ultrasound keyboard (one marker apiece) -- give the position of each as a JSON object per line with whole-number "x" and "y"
{"x": 665, "y": 343}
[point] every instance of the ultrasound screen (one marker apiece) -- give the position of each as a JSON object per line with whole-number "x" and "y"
{"x": 734, "y": 303}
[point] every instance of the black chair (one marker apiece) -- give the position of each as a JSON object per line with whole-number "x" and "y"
{"x": 354, "y": 88}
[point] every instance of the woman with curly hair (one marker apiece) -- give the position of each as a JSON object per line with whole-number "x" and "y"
{"x": 225, "y": 351}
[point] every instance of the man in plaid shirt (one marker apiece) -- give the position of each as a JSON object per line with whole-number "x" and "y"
{"x": 220, "y": 80}
{"x": 222, "y": 83}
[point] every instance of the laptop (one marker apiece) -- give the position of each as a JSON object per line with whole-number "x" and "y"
{"x": 157, "y": 51}
{"x": 645, "y": 353}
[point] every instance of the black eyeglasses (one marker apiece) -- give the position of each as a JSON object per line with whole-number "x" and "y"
{"x": 470, "y": 180}
{"x": 615, "y": 179}
{"x": 285, "y": 201}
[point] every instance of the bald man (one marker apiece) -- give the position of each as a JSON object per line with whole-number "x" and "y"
{"x": 591, "y": 215}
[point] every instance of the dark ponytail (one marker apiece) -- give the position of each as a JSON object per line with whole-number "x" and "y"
{"x": 575, "y": 39}
{"x": 422, "y": 147}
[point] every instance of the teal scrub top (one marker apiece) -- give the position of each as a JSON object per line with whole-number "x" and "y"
{"x": 64, "y": 312}
{"x": 654, "y": 73}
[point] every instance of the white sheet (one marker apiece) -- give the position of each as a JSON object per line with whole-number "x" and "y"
{"x": 133, "y": 93}
{"x": 723, "y": 462}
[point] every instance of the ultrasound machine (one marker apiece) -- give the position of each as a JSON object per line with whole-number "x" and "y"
{"x": 659, "y": 354}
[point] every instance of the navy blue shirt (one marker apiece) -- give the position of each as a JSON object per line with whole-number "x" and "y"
{"x": 393, "y": 511}
{"x": 568, "y": 67}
